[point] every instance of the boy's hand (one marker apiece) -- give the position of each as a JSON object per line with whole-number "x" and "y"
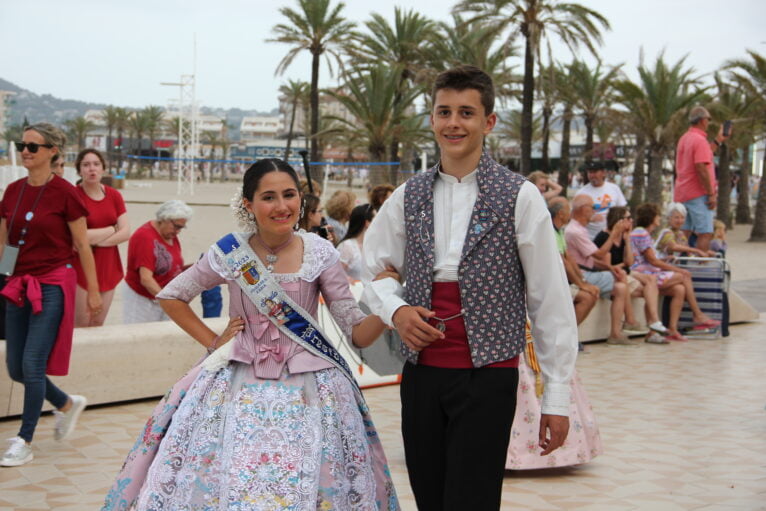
{"x": 416, "y": 333}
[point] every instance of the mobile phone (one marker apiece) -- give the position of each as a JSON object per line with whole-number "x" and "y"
{"x": 726, "y": 128}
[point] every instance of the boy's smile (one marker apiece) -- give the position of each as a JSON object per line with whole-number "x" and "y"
{"x": 459, "y": 123}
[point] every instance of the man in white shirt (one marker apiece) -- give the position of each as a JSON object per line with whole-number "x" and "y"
{"x": 475, "y": 246}
{"x": 605, "y": 196}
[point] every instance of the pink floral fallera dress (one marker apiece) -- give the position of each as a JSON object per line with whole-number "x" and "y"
{"x": 270, "y": 426}
{"x": 583, "y": 441}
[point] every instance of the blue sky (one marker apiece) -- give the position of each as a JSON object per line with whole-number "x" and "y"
{"x": 118, "y": 52}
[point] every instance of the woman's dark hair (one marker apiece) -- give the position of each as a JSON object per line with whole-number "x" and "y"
{"x": 615, "y": 214}
{"x": 257, "y": 170}
{"x": 85, "y": 152}
{"x": 310, "y": 204}
{"x": 378, "y": 195}
{"x": 359, "y": 215}
{"x": 646, "y": 213}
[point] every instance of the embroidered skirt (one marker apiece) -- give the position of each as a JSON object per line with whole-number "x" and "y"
{"x": 225, "y": 440}
{"x": 583, "y": 441}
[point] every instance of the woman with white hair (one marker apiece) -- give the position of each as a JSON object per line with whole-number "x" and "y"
{"x": 672, "y": 241}
{"x": 154, "y": 259}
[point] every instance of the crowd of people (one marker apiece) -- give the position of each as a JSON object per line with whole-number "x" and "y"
{"x": 273, "y": 416}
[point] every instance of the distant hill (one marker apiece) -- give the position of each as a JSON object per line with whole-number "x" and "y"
{"x": 49, "y": 108}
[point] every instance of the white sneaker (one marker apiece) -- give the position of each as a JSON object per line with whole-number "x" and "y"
{"x": 66, "y": 421}
{"x": 19, "y": 453}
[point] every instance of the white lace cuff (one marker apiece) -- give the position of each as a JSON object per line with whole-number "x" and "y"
{"x": 346, "y": 314}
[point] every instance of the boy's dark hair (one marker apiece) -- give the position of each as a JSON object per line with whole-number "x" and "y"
{"x": 467, "y": 77}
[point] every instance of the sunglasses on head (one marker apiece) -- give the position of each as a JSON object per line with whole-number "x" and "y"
{"x": 32, "y": 146}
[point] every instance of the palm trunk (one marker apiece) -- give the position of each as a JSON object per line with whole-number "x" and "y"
{"x": 290, "y": 132}
{"x": 637, "y": 194}
{"x": 546, "y": 163}
{"x": 526, "y": 109}
{"x": 743, "y": 190}
{"x": 151, "y": 150}
{"x": 120, "y": 160}
{"x": 654, "y": 185}
{"x": 564, "y": 161}
{"x": 314, "y": 106}
{"x": 588, "y": 137}
{"x": 724, "y": 186}
{"x": 378, "y": 173}
{"x": 759, "y": 224}
{"x": 109, "y": 149}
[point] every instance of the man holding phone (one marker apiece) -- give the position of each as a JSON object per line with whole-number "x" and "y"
{"x": 695, "y": 185}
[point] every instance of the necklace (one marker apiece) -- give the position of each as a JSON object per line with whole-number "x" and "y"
{"x": 271, "y": 257}
{"x": 440, "y": 326}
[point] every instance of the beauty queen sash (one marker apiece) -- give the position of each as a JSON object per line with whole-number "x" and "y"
{"x": 270, "y": 299}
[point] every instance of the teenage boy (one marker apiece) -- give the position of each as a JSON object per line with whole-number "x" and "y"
{"x": 474, "y": 243}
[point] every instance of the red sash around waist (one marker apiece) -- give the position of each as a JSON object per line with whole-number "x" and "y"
{"x": 453, "y": 351}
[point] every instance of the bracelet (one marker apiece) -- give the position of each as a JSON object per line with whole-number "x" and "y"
{"x": 717, "y": 143}
{"x": 211, "y": 348}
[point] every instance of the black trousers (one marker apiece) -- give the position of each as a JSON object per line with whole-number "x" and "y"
{"x": 456, "y": 425}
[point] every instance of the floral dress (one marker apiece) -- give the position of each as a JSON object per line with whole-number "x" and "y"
{"x": 641, "y": 240}
{"x": 583, "y": 441}
{"x": 261, "y": 424}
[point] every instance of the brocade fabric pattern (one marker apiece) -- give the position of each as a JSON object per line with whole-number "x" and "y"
{"x": 239, "y": 437}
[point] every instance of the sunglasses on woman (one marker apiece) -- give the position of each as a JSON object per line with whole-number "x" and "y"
{"x": 32, "y": 146}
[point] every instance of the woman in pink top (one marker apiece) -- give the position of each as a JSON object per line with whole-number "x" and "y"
{"x": 262, "y": 420}
{"x": 108, "y": 227}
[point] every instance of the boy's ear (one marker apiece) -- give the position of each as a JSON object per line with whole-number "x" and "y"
{"x": 491, "y": 122}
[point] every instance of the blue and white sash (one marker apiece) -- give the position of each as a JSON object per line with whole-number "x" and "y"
{"x": 269, "y": 298}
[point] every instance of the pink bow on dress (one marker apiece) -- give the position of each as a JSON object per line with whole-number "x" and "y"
{"x": 264, "y": 327}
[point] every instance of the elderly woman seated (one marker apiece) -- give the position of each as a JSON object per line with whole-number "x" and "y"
{"x": 672, "y": 281}
{"x": 154, "y": 259}
{"x": 671, "y": 241}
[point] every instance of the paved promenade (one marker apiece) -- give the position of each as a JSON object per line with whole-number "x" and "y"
{"x": 683, "y": 425}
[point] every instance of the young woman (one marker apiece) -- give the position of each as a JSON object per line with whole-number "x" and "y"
{"x": 108, "y": 227}
{"x": 43, "y": 223}
{"x": 639, "y": 284}
{"x": 312, "y": 218}
{"x": 271, "y": 419}
{"x": 351, "y": 256}
{"x": 671, "y": 280}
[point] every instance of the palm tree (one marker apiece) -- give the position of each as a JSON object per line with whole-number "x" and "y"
{"x": 317, "y": 28}
{"x": 122, "y": 121}
{"x": 472, "y": 43}
{"x": 510, "y": 127}
{"x": 138, "y": 125}
{"x": 658, "y": 105}
{"x": 78, "y": 128}
{"x": 572, "y": 23}
{"x": 370, "y": 96}
{"x": 153, "y": 116}
{"x": 294, "y": 92}
{"x": 565, "y": 93}
{"x": 111, "y": 117}
{"x": 399, "y": 45}
{"x": 751, "y": 75}
{"x": 546, "y": 87}
{"x": 733, "y": 102}
{"x": 592, "y": 88}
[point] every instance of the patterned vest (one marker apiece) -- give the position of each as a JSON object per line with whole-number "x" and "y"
{"x": 490, "y": 275}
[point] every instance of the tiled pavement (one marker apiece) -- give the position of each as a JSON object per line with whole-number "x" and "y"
{"x": 683, "y": 426}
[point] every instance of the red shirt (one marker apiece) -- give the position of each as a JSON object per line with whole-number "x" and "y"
{"x": 48, "y": 242}
{"x": 148, "y": 249}
{"x": 693, "y": 148}
{"x": 103, "y": 213}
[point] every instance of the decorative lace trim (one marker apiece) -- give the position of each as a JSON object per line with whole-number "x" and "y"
{"x": 183, "y": 288}
{"x": 346, "y": 314}
{"x": 318, "y": 255}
